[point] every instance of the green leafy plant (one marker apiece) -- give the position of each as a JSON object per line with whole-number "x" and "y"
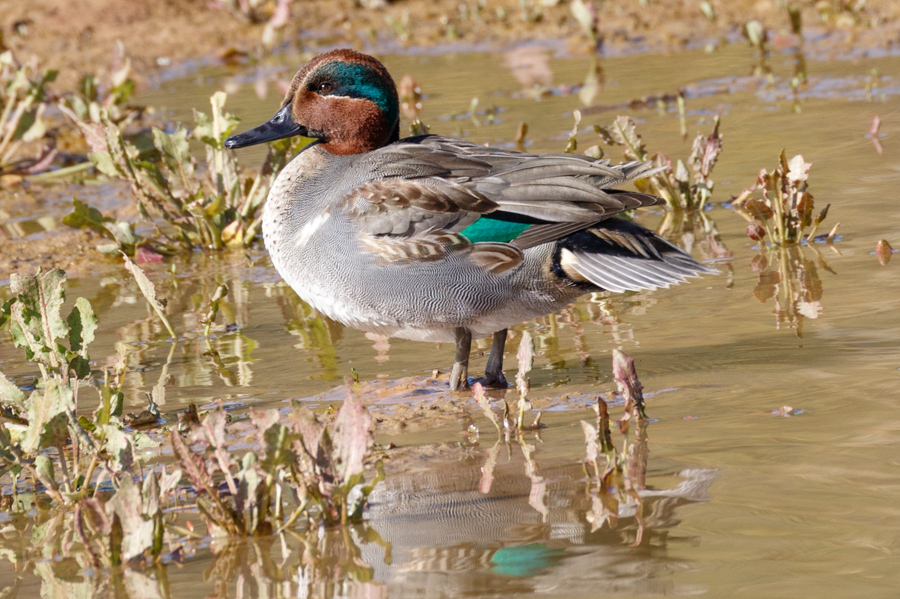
{"x": 189, "y": 206}
{"x": 298, "y": 457}
{"x": 89, "y": 468}
{"x": 45, "y": 425}
{"x": 23, "y": 100}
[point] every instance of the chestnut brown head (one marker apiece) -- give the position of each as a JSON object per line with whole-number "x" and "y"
{"x": 344, "y": 98}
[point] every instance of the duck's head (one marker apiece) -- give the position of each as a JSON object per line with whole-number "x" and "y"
{"x": 343, "y": 98}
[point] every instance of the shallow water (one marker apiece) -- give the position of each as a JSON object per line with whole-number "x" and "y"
{"x": 739, "y": 502}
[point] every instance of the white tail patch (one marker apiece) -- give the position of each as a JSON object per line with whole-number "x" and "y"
{"x": 569, "y": 264}
{"x": 310, "y": 228}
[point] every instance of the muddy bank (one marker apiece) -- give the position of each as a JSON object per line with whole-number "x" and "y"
{"x": 80, "y": 37}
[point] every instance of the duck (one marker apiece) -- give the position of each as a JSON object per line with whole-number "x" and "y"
{"x": 439, "y": 239}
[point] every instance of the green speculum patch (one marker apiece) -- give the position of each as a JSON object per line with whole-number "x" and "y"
{"x": 489, "y": 229}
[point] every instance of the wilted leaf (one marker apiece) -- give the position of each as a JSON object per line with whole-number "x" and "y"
{"x": 755, "y": 232}
{"x": 586, "y": 15}
{"x": 623, "y": 132}
{"x": 169, "y": 481}
{"x": 82, "y": 325}
{"x": 149, "y": 291}
{"x": 36, "y": 129}
{"x": 137, "y": 532}
{"x": 47, "y": 419}
{"x": 572, "y": 144}
{"x": 150, "y": 494}
{"x": 626, "y": 377}
{"x": 883, "y": 250}
{"x": 484, "y": 402}
{"x": 798, "y": 170}
{"x": 144, "y": 419}
{"x": 755, "y": 33}
{"x": 175, "y": 153}
{"x": 83, "y": 215}
{"x": 681, "y": 173}
{"x": 353, "y": 437}
{"x": 36, "y": 312}
{"x": 119, "y": 448}
{"x": 105, "y": 163}
{"x": 193, "y": 466}
{"x": 758, "y": 209}
{"x": 275, "y": 440}
{"x": 44, "y": 468}
{"x": 11, "y": 395}
{"x": 213, "y": 131}
{"x": 313, "y": 445}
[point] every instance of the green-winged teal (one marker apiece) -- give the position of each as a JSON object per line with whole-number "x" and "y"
{"x": 433, "y": 238}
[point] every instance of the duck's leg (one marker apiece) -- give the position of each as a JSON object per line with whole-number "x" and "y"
{"x": 493, "y": 372}
{"x": 459, "y": 376}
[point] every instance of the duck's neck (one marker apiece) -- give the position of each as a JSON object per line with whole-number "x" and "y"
{"x": 301, "y": 195}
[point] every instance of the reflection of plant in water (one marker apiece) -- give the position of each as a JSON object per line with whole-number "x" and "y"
{"x": 792, "y": 280}
{"x": 313, "y": 331}
{"x": 615, "y": 479}
{"x": 307, "y": 564}
{"x": 755, "y": 33}
{"x": 508, "y": 425}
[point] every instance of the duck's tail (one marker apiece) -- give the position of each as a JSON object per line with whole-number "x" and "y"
{"x": 619, "y": 255}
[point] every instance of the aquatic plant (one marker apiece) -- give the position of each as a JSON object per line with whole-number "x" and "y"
{"x": 214, "y": 206}
{"x": 91, "y": 461}
{"x": 45, "y": 424}
{"x": 298, "y": 457}
{"x": 785, "y": 210}
{"x": 23, "y": 100}
{"x": 682, "y": 189}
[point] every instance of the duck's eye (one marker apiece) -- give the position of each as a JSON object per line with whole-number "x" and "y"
{"x": 325, "y": 87}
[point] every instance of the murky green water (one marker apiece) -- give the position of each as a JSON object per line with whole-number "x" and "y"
{"x": 739, "y": 501}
